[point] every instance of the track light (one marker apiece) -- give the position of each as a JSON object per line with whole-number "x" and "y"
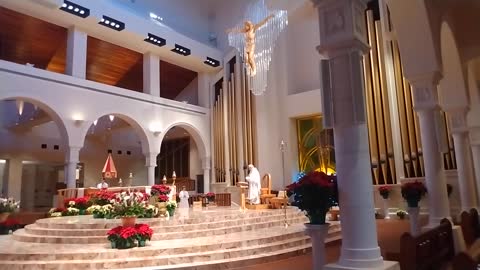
{"x": 212, "y": 62}
{"x": 75, "y": 9}
{"x": 181, "y": 50}
{"x": 112, "y": 23}
{"x": 155, "y": 40}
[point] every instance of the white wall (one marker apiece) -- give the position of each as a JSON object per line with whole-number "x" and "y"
{"x": 195, "y": 161}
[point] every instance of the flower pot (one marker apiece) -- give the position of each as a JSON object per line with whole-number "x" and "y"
{"x": 171, "y": 212}
{"x": 114, "y": 244}
{"x": 127, "y": 244}
{"x": 82, "y": 212}
{"x": 413, "y": 213}
{"x": 162, "y": 208}
{"x": 317, "y": 218}
{"x": 98, "y": 215}
{"x": 412, "y": 203}
{"x": 129, "y": 221}
{"x": 4, "y": 216}
{"x": 317, "y": 233}
{"x": 142, "y": 243}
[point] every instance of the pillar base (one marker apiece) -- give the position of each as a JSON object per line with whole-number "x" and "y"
{"x": 387, "y": 265}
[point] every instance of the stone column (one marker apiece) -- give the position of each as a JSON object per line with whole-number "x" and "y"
{"x": 463, "y": 157}
{"x": 14, "y": 183}
{"x": 342, "y": 43}
{"x": 425, "y": 99}
{"x": 76, "y": 64}
{"x": 206, "y": 174}
{"x": 151, "y": 163}
{"x": 151, "y": 74}
{"x": 71, "y": 161}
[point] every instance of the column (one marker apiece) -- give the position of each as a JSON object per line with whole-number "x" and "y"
{"x": 151, "y": 74}
{"x": 463, "y": 157}
{"x": 342, "y": 44}
{"x": 151, "y": 163}
{"x": 475, "y": 145}
{"x": 206, "y": 174}
{"x": 76, "y": 64}
{"x": 14, "y": 184}
{"x": 425, "y": 99}
{"x": 71, "y": 161}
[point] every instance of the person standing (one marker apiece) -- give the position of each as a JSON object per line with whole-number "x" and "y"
{"x": 183, "y": 198}
{"x": 103, "y": 184}
{"x": 254, "y": 184}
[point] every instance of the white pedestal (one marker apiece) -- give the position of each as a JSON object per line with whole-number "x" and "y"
{"x": 317, "y": 233}
{"x": 387, "y": 265}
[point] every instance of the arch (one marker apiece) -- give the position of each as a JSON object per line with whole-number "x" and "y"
{"x": 140, "y": 131}
{"x": 194, "y": 132}
{"x": 418, "y": 36}
{"x": 453, "y": 92}
{"x": 62, "y": 127}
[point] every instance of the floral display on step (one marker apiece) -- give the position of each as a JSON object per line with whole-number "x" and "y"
{"x": 7, "y": 206}
{"x": 210, "y": 196}
{"x": 77, "y": 206}
{"x": 413, "y": 192}
{"x": 102, "y": 197}
{"x": 315, "y": 193}
{"x": 128, "y": 237}
{"x": 171, "y": 206}
{"x": 9, "y": 225}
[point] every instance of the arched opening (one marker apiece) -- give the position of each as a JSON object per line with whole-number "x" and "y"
{"x": 32, "y": 152}
{"x": 182, "y": 150}
{"x": 121, "y": 138}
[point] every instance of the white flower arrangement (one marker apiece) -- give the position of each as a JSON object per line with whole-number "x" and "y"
{"x": 71, "y": 203}
{"x": 94, "y": 208}
{"x": 56, "y": 214}
{"x": 71, "y": 211}
{"x": 8, "y": 205}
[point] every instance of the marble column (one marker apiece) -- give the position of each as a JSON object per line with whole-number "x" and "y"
{"x": 425, "y": 99}
{"x": 466, "y": 182}
{"x": 71, "y": 161}
{"x": 76, "y": 62}
{"x": 206, "y": 174}
{"x": 14, "y": 183}
{"x": 342, "y": 44}
{"x": 151, "y": 74}
{"x": 151, "y": 163}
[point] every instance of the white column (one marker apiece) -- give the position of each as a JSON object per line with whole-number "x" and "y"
{"x": 71, "y": 161}
{"x": 151, "y": 163}
{"x": 206, "y": 174}
{"x": 151, "y": 74}
{"x": 76, "y": 64}
{"x": 342, "y": 42}
{"x": 14, "y": 184}
{"x": 425, "y": 99}
{"x": 458, "y": 126}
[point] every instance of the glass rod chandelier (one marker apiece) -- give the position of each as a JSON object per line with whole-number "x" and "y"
{"x": 264, "y": 42}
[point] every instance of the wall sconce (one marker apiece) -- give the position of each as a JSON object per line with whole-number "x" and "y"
{"x": 78, "y": 118}
{"x": 155, "y": 128}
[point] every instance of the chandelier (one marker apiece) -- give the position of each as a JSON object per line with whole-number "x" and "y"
{"x": 256, "y": 44}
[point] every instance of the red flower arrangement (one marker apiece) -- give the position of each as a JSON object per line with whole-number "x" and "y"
{"x": 81, "y": 203}
{"x": 384, "y": 191}
{"x": 210, "y": 195}
{"x": 314, "y": 193}
{"x": 102, "y": 197}
{"x": 162, "y": 198}
{"x": 9, "y": 224}
{"x": 413, "y": 192}
{"x": 125, "y": 237}
{"x": 160, "y": 190}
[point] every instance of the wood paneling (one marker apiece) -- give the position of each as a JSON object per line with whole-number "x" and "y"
{"x": 173, "y": 79}
{"x": 24, "y": 39}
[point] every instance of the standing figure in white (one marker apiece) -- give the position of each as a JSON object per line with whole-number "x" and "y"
{"x": 254, "y": 185}
{"x": 183, "y": 198}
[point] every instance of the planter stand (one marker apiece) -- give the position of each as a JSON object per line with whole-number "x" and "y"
{"x": 318, "y": 233}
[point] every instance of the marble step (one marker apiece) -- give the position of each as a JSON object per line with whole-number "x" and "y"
{"x": 52, "y": 252}
{"x": 25, "y": 236}
{"x": 202, "y": 217}
{"x": 246, "y": 224}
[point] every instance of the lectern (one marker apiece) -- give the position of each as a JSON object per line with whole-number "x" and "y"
{"x": 243, "y": 186}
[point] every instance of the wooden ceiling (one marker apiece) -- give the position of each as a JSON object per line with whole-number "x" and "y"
{"x": 24, "y": 39}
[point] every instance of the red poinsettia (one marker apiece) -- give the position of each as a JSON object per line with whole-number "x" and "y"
{"x": 81, "y": 203}
{"x": 162, "y": 198}
{"x": 160, "y": 190}
{"x": 210, "y": 195}
{"x": 102, "y": 197}
{"x": 144, "y": 232}
{"x": 384, "y": 191}
{"x": 413, "y": 192}
{"x": 128, "y": 232}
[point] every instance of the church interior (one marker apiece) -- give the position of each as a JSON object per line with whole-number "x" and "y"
{"x": 239, "y": 134}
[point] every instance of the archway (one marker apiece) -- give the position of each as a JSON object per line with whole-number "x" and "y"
{"x": 184, "y": 152}
{"x": 121, "y": 137}
{"x": 32, "y": 150}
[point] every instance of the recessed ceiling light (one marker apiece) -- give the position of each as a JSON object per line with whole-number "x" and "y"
{"x": 70, "y": 7}
{"x": 112, "y": 23}
{"x": 155, "y": 40}
{"x": 64, "y": 5}
{"x": 212, "y": 62}
{"x": 75, "y": 9}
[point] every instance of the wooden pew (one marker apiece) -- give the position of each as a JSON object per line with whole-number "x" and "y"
{"x": 431, "y": 250}
{"x": 465, "y": 261}
{"x": 470, "y": 224}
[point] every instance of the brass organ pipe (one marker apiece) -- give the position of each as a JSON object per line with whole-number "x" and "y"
{"x": 215, "y": 157}
{"x": 234, "y": 129}
{"x": 222, "y": 138}
{"x": 253, "y": 128}
{"x": 377, "y": 95}
{"x": 249, "y": 110}
{"x": 411, "y": 127}
{"x": 386, "y": 106}
{"x": 371, "y": 118}
{"x": 244, "y": 119}
{"x": 227, "y": 118}
{"x": 402, "y": 109}
{"x": 419, "y": 144}
{"x": 217, "y": 142}
{"x": 230, "y": 130}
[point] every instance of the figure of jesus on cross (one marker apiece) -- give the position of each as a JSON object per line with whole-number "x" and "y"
{"x": 249, "y": 30}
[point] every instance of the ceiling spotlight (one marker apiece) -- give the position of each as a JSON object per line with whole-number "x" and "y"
{"x": 212, "y": 62}
{"x": 95, "y": 122}
{"x": 181, "y": 50}
{"x": 75, "y": 9}
{"x": 112, "y": 117}
{"x": 155, "y": 17}
{"x": 112, "y": 23}
{"x": 155, "y": 40}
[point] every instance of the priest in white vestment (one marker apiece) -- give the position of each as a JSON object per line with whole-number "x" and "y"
{"x": 183, "y": 198}
{"x": 254, "y": 185}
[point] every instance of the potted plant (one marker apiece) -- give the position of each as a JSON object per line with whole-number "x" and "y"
{"x": 7, "y": 206}
{"x": 314, "y": 194}
{"x": 102, "y": 197}
{"x": 401, "y": 214}
{"x": 151, "y": 211}
{"x": 144, "y": 233}
{"x": 161, "y": 192}
{"x": 128, "y": 206}
{"x": 413, "y": 192}
{"x": 56, "y": 212}
{"x": 9, "y": 225}
{"x": 171, "y": 206}
{"x": 385, "y": 193}
{"x": 71, "y": 211}
{"x": 113, "y": 236}
{"x": 210, "y": 197}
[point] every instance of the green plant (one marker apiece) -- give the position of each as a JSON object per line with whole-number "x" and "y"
{"x": 130, "y": 204}
{"x": 401, "y": 214}
{"x": 413, "y": 192}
